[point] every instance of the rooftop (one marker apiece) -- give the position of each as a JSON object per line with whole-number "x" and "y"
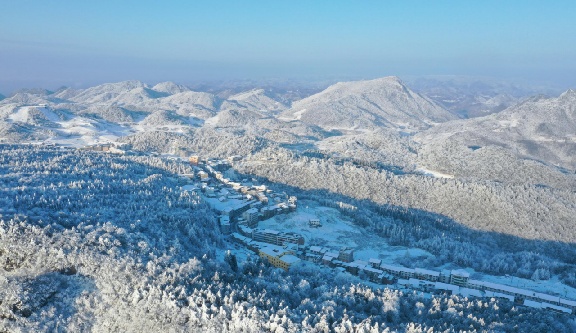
{"x": 290, "y": 259}
{"x": 272, "y": 250}
{"x": 460, "y": 272}
{"x": 426, "y": 272}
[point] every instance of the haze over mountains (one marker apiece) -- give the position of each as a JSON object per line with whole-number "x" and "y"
{"x": 378, "y": 121}
{"x": 537, "y": 128}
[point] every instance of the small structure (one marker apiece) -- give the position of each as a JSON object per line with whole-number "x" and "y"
{"x": 234, "y": 158}
{"x": 194, "y": 159}
{"x": 314, "y": 223}
{"x": 276, "y": 237}
{"x": 210, "y": 192}
{"x": 399, "y": 271}
{"x": 251, "y": 217}
{"x": 426, "y": 274}
{"x": 262, "y": 198}
{"x": 203, "y": 175}
{"x": 225, "y": 226}
{"x": 245, "y": 231}
{"x": 447, "y": 288}
{"x": 278, "y": 256}
{"x": 372, "y": 273}
{"x": 328, "y": 259}
{"x": 346, "y": 254}
{"x": 459, "y": 277}
{"x": 354, "y": 267}
{"x": 375, "y": 263}
{"x": 444, "y": 276}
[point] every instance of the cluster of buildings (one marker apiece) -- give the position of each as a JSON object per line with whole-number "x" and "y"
{"x": 281, "y": 256}
{"x": 451, "y": 281}
{"x": 245, "y": 204}
{"x": 283, "y": 253}
{"x": 241, "y": 203}
{"x": 446, "y": 281}
{"x": 271, "y": 236}
{"x": 112, "y": 147}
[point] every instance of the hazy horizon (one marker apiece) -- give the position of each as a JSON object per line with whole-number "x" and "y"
{"x": 48, "y": 45}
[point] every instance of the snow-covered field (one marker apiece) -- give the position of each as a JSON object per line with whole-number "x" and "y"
{"x": 337, "y": 231}
{"x": 433, "y": 173}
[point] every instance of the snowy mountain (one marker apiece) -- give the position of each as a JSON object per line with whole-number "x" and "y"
{"x": 170, "y": 88}
{"x": 25, "y": 98}
{"x": 367, "y": 105}
{"x": 191, "y": 103}
{"x": 253, "y": 100}
{"x": 233, "y": 118}
{"x": 540, "y": 128}
{"x": 164, "y": 118}
{"x": 60, "y": 124}
{"x": 105, "y": 92}
{"x": 110, "y": 113}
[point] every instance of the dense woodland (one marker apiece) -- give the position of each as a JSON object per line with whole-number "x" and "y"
{"x": 489, "y": 226}
{"x": 106, "y": 243}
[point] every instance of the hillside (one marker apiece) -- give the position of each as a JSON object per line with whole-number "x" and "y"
{"x": 540, "y": 128}
{"x": 253, "y": 100}
{"x": 106, "y": 243}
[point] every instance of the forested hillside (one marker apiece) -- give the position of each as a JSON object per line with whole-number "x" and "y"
{"x": 490, "y": 226}
{"x": 106, "y": 243}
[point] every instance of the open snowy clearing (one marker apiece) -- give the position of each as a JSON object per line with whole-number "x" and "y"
{"x": 433, "y": 173}
{"x": 337, "y": 231}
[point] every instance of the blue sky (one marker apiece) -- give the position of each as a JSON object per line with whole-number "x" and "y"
{"x": 52, "y": 43}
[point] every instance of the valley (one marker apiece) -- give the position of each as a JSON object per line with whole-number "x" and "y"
{"x": 311, "y": 232}
{"x": 372, "y": 167}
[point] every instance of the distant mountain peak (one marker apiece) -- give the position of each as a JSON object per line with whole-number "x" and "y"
{"x": 34, "y": 91}
{"x": 368, "y": 104}
{"x": 170, "y": 88}
{"x": 570, "y": 93}
{"x": 129, "y": 84}
{"x": 254, "y": 100}
{"x": 247, "y": 94}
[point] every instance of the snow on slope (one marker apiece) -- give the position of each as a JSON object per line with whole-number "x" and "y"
{"x": 106, "y": 92}
{"x": 136, "y": 96}
{"x": 253, "y": 100}
{"x": 28, "y": 114}
{"x": 164, "y": 118}
{"x": 170, "y": 88}
{"x": 191, "y": 103}
{"x": 384, "y": 102}
{"x": 42, "y": 123}
{"x": 539, "y": 128}
{"x": 25, "y": 98}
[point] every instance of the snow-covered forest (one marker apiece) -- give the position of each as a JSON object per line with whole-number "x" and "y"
{"x": 448, "y": 217}
{"x": 107, "y": 243}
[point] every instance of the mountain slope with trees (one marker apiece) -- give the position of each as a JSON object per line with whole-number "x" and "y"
{"x": 97, "y": 242}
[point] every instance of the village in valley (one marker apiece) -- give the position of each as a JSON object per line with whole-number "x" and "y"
{"x": 286, "y": 232}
